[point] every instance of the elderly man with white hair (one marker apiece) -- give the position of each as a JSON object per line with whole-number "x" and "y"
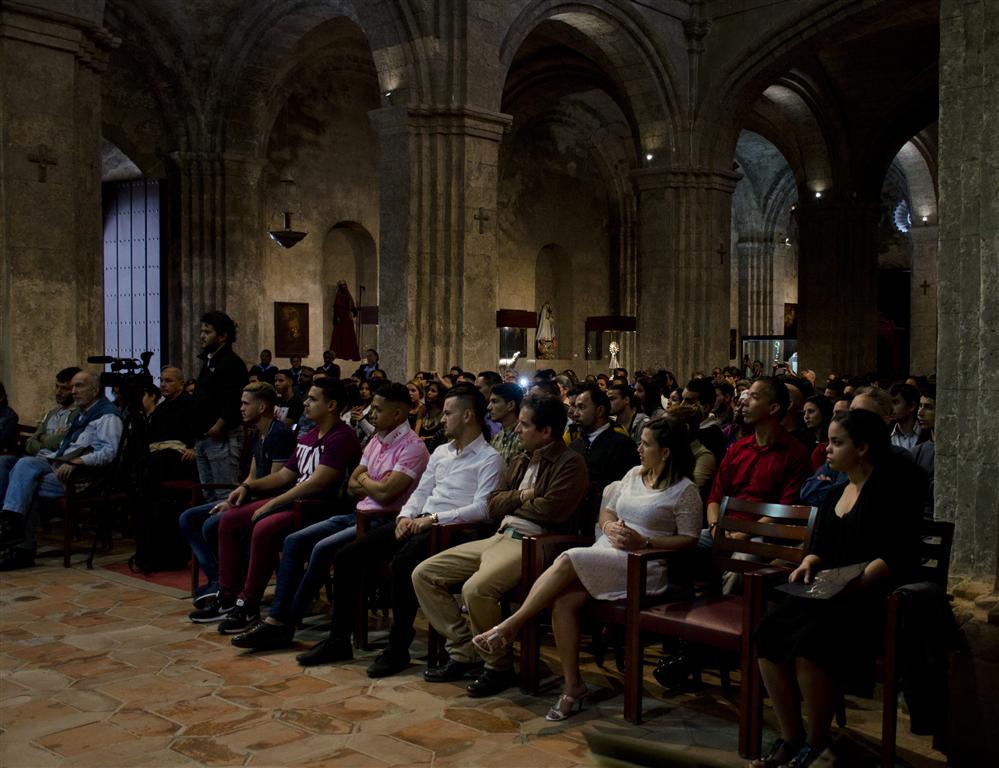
{"x": 92, "y": 441}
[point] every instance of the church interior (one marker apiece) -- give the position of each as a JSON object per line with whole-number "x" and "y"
{"x": 696, "y": 182}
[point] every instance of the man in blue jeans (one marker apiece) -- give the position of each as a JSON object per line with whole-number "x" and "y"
{"x": 91, "y": 441}
{"x": 216, "y": 403}
{"x": 272, "y": 444}
{"x": 390, "y": 468}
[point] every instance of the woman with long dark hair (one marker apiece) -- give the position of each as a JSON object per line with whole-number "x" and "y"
{"x": 814, "y": 646}
{"x": 816, "y": 414}
{"x": 650, "y": 396}
{"x": 653, "y": 505}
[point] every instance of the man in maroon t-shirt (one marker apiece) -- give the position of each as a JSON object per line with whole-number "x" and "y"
{"x": 325, "y": 455}
{"x": 768, "y": 466}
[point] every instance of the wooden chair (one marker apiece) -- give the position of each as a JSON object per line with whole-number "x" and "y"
{"x": 365, "y": 521}
{"x": 935, "y": 547}
{"x": 725, "y": 623}
{"x": 95, "y": 500}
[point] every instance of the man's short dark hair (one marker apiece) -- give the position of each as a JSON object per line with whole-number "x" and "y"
{"x": 546, "y": 411}
{"x": 262, "y": 391}
{"x": 777, "y": 393}
{"x": 373, "y": 351}
{"x": 286, "y": 372}
{"x": 394, "y": 392}
{"x": 705, "y": 390}
{"x": 491, "y": 377}
{"x": 222, "y": 323}
{"x": 599, "y": 398}
{"x": 546, "y": 387}
{"x": 907, "y": 392}
{"x": 333, "y": 391}
{"x": 626, "y": 392}
{"x": 836, "y": 385}
{"x": 509, "y": 392}
{"x": 66, "y": 374}
{"x": 470, "y": 397}
{"x": 466, "y": 376}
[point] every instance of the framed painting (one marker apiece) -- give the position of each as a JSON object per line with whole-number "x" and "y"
{"x": 291, "y": 329}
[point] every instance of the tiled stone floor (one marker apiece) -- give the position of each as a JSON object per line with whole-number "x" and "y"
{"x": 101, "y": 669}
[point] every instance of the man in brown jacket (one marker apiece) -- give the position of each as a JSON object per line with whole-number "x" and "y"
{"x": 543, "y": 489}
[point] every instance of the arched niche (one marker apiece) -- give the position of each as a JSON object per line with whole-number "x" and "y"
{"x": 553, "y": 284}
{"x": 349, "y": 254}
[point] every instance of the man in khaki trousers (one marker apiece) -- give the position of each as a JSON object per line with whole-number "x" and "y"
{"x": 545, "y": 486}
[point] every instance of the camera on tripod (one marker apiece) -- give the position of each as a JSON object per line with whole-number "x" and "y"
{"x": 128, "y": 375}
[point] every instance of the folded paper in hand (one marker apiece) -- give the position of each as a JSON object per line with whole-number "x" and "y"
{"x": 827, "y": 583}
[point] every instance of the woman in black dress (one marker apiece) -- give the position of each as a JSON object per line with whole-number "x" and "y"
{"x": 814, "y": 645}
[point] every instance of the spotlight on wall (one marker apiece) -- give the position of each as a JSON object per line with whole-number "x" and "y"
{"x": 925, "y": 219}
{"x": 818, "y": 195}
{"x": 648, "y": 157}
{"x": 787, "y": 241}
{"x": 794, "y": 206}
{"x": 388, "y": 97}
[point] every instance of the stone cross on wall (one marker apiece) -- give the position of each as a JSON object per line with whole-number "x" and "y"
{"x": 924, "y": 286}
{"x": 482, "y": 217}
{"x": 41, "y": 157}
{"x": 721, "y": 253}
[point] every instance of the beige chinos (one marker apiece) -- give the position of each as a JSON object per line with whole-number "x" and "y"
{"x": 487, "y": 569}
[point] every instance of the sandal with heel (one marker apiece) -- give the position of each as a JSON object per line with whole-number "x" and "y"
{"x": 772, "y": 759}
{"x": 491, "y": 642}
{"x": 566, "y": 707}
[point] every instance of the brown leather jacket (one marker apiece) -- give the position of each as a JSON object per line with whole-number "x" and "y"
{"x": 559, "y": 487}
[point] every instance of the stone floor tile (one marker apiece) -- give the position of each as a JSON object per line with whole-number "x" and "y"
{"x": 38, "y": 680}
{"x": 348, "y": 758}
{"x": 15, "y": 752}
{"x": 487, "y": 722}
{"x": 259, "y": 736}
{"x": 314, "y": 720}
{"x": 390, "y": 750}
{"x": 141, "y": 723}
{"x": 305, "y": 752}
{"x": 206, "y": 751}
{"x": 41, "y": 716}
{"x": 87, "y": 701}
{"x": 75, "y": 741}
{"x": 442, "y": 737}
{"x": 360, "y": 708}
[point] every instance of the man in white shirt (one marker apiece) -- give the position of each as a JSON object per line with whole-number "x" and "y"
{"x": 454, "y": 488}
{"x": 904, "y": 405}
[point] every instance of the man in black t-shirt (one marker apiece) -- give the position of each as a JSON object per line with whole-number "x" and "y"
{"x": 289, "y": 405}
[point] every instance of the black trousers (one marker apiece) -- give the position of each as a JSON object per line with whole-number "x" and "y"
{"x": 353, "y": 562}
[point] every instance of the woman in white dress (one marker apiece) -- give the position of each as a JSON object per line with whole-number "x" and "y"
{"x": 655, "y": 505}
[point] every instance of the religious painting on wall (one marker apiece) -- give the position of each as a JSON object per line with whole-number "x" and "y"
{"x": 291, "y": 329}
{"x": 790, "y": 321}
{"x": 546, "y": 341}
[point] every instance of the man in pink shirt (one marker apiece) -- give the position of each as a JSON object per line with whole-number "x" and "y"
{"x": 390, "y": 468}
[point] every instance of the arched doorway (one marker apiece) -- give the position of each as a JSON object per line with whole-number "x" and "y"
{"x": 349, "y": 254}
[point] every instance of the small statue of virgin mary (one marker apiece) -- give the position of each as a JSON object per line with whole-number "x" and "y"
{"x": 547, "y": 344}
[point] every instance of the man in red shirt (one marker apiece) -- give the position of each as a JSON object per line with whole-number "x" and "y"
{"x": 768, "y": 466}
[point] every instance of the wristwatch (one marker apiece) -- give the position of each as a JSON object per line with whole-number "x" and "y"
{"x": 433, "y": 518}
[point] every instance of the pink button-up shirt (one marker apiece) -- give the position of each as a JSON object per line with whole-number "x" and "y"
{"x": 401, "y": 450}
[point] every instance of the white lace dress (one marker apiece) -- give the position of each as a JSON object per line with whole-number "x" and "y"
{"x": 602, "y": 569}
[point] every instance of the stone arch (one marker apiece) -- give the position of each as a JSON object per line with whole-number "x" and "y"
{"x": 553, "y": 268}
{"x": 619, "y": 32}
{"x": 268, "y": 36}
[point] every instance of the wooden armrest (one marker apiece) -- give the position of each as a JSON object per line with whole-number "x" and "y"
{"x": 442, "y": 534}
{"x": 367, "y": 516}
{"x": 537, "y": 552}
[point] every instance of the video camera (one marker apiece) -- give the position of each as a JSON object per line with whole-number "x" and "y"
{"x": 128, "y": 375}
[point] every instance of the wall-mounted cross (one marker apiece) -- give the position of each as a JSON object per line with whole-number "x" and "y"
{"x": 721, "y": 253}
{"x": 41, "y": 157}
{"x": 482, "y": 217}
{"x": 924, "y": 286}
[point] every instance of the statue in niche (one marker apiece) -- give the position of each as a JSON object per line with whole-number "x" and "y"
{"x": 343, "y": 343}
{"x": 546, "y": 343}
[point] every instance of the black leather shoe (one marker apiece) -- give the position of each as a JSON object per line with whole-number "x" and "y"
{"x": 15, "y": 558}
{"x": 326, "y": 652}
{"x": 388, "y": 663}
{"x": 11, "y": 528}
{"x": 453, "y": 670}
{"x": 491, "y": 682}
{"x": 265, "y": 637}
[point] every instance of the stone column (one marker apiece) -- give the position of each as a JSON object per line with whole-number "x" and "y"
{"x": 756, "y": 285}
{"x": 213, "y": 238}
{"x": 437, "y": 276}
{"x": 51, "y": 265}
{"x": 837, "y": 286}
{"x": 923, "y": 338}
{"x": 967, "y": 447}
{"x": 683, "y": 267}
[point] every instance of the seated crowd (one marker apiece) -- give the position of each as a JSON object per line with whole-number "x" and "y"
{"x": 632, "y": 462}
